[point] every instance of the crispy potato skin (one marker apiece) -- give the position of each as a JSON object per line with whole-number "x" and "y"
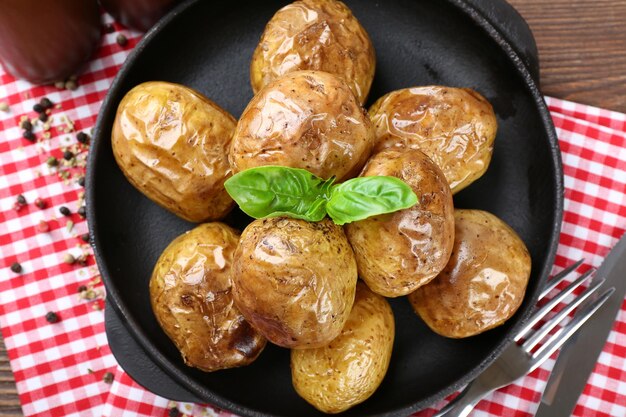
{"x": 397, "y": 253}
{"x": 347, "y": 371}
{"x": 306, "y": 119}
{"x": 294, "y": 280}
{"x": 320, "y": 35}
{"x": 455, "y": 127}
{"x": 171, "y": 143}
{"x": 190, "y": 291}
{"x": 484, "y": 282}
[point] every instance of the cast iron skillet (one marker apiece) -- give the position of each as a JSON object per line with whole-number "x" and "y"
{"x": 207, "y": 46}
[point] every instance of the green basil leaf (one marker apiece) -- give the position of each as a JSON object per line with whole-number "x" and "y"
{"x": 271, "y": 191}
{"x": 363, "y": 197}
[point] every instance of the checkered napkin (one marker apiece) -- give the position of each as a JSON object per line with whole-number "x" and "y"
{"x": 66, "y": 368}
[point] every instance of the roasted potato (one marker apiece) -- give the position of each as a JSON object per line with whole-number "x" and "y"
{"x": 484, "y": 282}
{"x": 294, "y": 280}
{"x": 318, "y": 35}
{"x": 190, "y": 291}
{"x": 306, "y": 119}
{"x": 455, "y": 127}
{"x": 171, "y": 143}
{"x": 397, "y": 253}
{"x": 349, "y": 369}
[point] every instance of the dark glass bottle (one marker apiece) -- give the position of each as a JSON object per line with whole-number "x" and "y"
{"x": 138, "y": 14}
{"x": 47, "y": 41}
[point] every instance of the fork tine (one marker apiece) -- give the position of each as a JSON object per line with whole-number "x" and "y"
{"x": 541, "y": 313}
{"x": 557, "y": 339}
{"x": 558, "y": 278}
{"x": 551, "y": 324}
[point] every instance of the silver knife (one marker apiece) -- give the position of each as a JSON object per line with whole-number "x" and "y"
{"x": 580, "y": 353}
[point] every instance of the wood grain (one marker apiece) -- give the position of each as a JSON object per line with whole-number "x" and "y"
{"x": 582, "y": 49}
{"x": 582, "y": 52}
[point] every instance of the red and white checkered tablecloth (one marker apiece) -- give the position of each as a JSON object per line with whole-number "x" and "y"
{"x": 60, "y": 368}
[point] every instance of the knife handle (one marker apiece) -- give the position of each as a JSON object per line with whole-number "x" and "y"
{"x": 463, "y": 404}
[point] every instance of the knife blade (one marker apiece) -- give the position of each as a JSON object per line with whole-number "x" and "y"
{"x": 580, "y": 353}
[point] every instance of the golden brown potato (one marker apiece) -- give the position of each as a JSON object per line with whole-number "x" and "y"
{"x": 306, "y": 119}
{"x": 171, "y": 143}
{"x": 484, "y": 282}
{"x": 294, "y": 280}
{"x": 190, "y": 291}
{"x": 347, "y": 371}
{"x": 318, "y": 35}
{"x": 455, "y": 127}
{"x": 398, "y": 252}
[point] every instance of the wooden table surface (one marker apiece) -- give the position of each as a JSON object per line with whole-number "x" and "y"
{"x": 582, "y": 52}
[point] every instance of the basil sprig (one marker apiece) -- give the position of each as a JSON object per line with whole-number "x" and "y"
{"x": 271, "y": 191}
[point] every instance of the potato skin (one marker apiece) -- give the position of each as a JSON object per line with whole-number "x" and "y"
{"x": 484, "y": 282}
{"x": 455, "y": 127}
{"x": 191, "y": 297}
{"x": 171, "y": 144}
{"x": 397, "y": 253}
{"x": 347, "y": 371}
{"x": 306, "y": 119}
{"x": 294, "y": 280}
{"x": 320, "y": 35}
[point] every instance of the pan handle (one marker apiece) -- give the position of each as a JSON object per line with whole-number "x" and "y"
{"x": 515, "y": 30}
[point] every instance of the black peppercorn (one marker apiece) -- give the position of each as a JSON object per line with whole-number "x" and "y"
{"x": 121, "y": 40}
{"x": 64, "y": 211}
{"x": 26, "y": 125}
{"x": 43, "y": 117}
{"x": 81, "y": 181}
{"x": 21, "y": 199}
{"x": 38, "y": 108}
{"x": 85, "y": 237}
{"x": 67, "y": 155}
{"x": 46, "y": 103}
{"x": 39, "y": 202}
{"x": 52, "y": 317}
{"x": 108, "y": 378}
{"x": 82, "y": 137}
{"x": 81, "y": 288}
{"x": 16, "y": 267}
{"x": 28, "y": 135}
{"x": 82, "y": 212}
{"x": 173, "y": 412}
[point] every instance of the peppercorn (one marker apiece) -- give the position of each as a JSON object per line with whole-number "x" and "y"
{"x": 71, "y": 85}
{"x": 69, "y": 259}
{"x": 29, "y": 135}
{"x": 21, "y": 199}
{"x": 85, "y": 237}
{"x": 81, "y": 181}
{"x": 46, "y": 103}
{"x": 64, "y": 211}
{"x": 16, "y": 267}
{"x": 26, "y": 125}
{"x": 67, "y": 155}
{"x": 108, "y": 378}
{"x": 43, "y": 226}
{"x": 121, "y": 40}
{"x": 38, "y": 108}
{"x": 40, "y": 203}
{"x": 52, "y": 317}
{"x": 82, "y": 212}
{"x": 173, "y": 412}
{"x": 81, "y": 288}
{"x": 82, "y": 137}
{"x": 43, "y": 117}
{"x": 52, "y": 161}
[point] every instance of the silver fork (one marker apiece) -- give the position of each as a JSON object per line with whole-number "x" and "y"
{"x": 518, "y": 360}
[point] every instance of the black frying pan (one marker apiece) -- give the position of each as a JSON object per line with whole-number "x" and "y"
{"x": 207, "y": 45}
